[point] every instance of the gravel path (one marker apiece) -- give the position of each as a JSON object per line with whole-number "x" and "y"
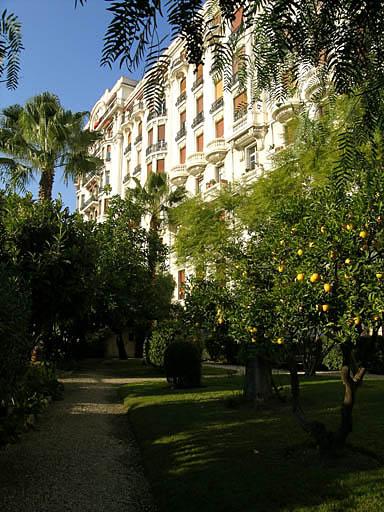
{"x": 82, "y": 457}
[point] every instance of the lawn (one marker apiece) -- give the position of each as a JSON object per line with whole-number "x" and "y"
{"x": 205, "y": 450}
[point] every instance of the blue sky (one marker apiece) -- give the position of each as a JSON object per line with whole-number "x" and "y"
{"x": 62, "y": 55}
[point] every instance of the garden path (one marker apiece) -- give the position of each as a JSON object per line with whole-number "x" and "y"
{"x": 81, "y": 458}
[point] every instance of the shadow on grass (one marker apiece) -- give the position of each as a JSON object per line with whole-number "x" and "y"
{"x": 247, "y": 460}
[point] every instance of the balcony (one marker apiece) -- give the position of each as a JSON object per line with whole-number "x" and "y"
{"x": 197, "y": 84}
{"x": 181, "y": 133}
{"x": 217, "y": 105}
{"x": 159, "y": 147}
{"x": 154, "y": 114}
{"x": 178, "y": 175}
{"x": 138, "y": 139}
{"x": 91, "y": 202}
{"x": 138, "y": 108}
{"x": 196, "y": 163}
{"x": 137, "y": 170}
{"x": 126, "y": 178}
{"x": 239, "y": 113}
{"x": 127, "y": 149}
{"x": 178, "y": 65}
{"x": 181, "y": 99}
{"x": 198, "y": 119}
{"x": 282, "y": 113}
{"x": 90, "y": 179}
{"x": 215, "y": 151}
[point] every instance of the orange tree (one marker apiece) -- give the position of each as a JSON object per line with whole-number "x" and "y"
{"x": 312, "y": 280}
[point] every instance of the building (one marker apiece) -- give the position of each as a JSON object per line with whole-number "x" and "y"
{"x": 205, "y": 136}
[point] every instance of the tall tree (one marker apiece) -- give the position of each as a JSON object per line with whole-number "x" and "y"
{"x": 41, "y": 137}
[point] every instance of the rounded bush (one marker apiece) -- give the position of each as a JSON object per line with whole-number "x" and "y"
{"x": 182, "y": 362}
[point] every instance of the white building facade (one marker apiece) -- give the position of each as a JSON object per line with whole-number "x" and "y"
{"x": 205, "y": 137}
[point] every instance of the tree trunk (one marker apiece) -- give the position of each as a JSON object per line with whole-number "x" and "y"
{"x": 46, "y": 185}
{"x": 327, "y": 441}
{"x": 258, "y": 379}
{"x": 121, "y": 346}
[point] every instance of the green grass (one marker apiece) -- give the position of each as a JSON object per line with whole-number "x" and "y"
{"x": 202, "y": 455}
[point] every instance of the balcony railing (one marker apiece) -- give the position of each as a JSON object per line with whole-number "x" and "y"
{"x": 137, "y": 170}
{"x": 198, "y": 119}
{"x": 239, "y": 113}
{"x": 86, "y": 203}
{"x": 154, "y": 148}
{"x": 216, "y": 105}
{"x": 138, "y": 139}
{"x": 128, "y": 148}
{"x": 196, "y": 84}
{"x": 154, "y": 114}
{"x": 196, "y": 163}
{"x": 181, "y": 99}
{"x": 126, "y": 178}
{"x": 181, "y": 133}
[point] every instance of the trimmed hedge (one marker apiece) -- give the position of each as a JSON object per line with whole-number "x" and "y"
{"x": 182, "y": 362}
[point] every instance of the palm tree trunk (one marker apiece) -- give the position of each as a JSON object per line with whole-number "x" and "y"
{"x": 46, "y": 185}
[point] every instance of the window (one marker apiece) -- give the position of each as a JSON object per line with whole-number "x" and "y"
{"x": 183, "y": 118}
{"x": 149, "y": 169}
{"x": 138, "y": 157}
{"x": 129, "y": 138}
{"x": 238, "y": 19}
{"x": 106, "y": 205}
{"x": 199, "y": 104}
{"x": 200, "y": 143}
{"x": 181, "y": 284}
{"x": 160, "y": 132}
{"x": 128, "y": 166}
{"x": 218, "y": 89}
{"x": 199, "y": 182}
{"x": 219, "y": 128}
{"x": 182, "y": 155}
{"x": 240, "y": 105}
{"x": 107, "y": 177}
{"x": 252, "y": 158}
{"x": 160, "y": 166}
{"x": 199, "y": 72}
{"x": 150, "y": 137}
{"x": 108, "y": 154}
{"x": 183, "y": 85}
{"x": 140, "y": 128}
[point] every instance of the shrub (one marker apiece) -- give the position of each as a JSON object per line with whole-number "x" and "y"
{"x": 158, "y": 343}
{"x": 182, "y": 362}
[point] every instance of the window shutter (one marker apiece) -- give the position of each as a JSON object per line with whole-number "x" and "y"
{"x": 160, "y": 166}
{"x": 200, "y": 143}
{"x": 219, "y": 128}
{"x": 161, "y": 132}
{"x": 182, "y": 155}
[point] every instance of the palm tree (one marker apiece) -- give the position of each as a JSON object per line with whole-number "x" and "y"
{"x": 10, "y": 48}
{"x": 156, "y": 199}
{"x": 41, "y": 137}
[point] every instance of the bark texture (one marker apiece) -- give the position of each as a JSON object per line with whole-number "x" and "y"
{"x": 258, "y": 379}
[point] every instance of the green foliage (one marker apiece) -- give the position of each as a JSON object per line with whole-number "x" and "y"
{"x": 15, "y": 340}
{"x": 41, "y": 137}
{"x": 161, "y": 337}
{"x": 182, "y": 362}
{"x": 129, "y": 293}
{"x": 207, "y": 303}
{"x": 10, "y": 48}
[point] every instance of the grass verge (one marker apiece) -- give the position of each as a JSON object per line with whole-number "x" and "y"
{"x": 205, "y": 450}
